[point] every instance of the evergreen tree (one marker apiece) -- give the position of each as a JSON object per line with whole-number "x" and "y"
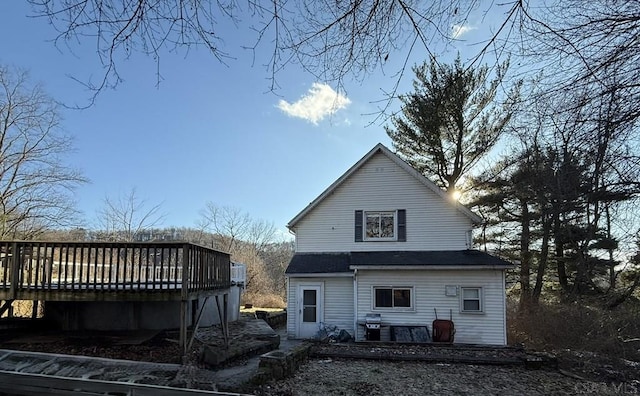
{"x": 450, "y": 121}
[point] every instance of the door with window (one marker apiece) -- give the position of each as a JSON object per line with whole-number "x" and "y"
{"x": 309, "y": 309}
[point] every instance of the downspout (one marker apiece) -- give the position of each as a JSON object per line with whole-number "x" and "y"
{"x": 355, "y": 304}
{"x": 292, "y": 315}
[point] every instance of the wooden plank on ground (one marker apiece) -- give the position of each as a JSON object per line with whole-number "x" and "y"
{"x": 36, "y": 384}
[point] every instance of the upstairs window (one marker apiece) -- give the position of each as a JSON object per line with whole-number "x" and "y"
{"x": 386, "y": 225}
{"x": 380, "y": 225}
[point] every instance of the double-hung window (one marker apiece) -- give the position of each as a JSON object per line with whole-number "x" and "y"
{"x": 380, "y": 225}
{"x": 471, "y": 299}
{"x": 392, "y": 297}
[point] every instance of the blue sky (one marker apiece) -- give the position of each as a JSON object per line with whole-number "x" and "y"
{"x": 208, "y": 132}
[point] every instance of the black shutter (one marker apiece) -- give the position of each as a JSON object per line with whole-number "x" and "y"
{"x": 358, "y": 231}
{"x": 402, "y": 225}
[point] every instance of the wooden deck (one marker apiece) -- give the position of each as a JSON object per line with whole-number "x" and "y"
{"x": 96, "y": 271}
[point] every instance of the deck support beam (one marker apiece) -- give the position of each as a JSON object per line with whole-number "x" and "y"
{"x": 6, "y": 306}
{"x": 223, "y": 318}
{"x": 34, "y": 310}
{"x": 195, "y": 327}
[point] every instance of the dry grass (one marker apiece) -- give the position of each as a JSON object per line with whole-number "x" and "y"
{"x": 263, "y": 300}
{"x": 254, "y": 309}
{"x": 582, "y": 325}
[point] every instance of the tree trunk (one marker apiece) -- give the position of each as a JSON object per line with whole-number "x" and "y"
{"x": 525, "y": 257}
{"x": 562, "y": 269}
{"x": 612, "y": 269}
{"x": 627, "y": 293}
{"x": 542, "y": 263}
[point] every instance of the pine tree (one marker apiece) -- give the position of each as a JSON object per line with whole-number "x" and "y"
{"x": 450, "y": 121}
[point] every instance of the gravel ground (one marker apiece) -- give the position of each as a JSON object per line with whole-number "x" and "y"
{"x": 581, "y": 372}
{"x": 361, "y": 377}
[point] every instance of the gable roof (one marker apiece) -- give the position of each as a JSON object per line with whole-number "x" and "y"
{"x": 380, "y": 148}
{"x": 316, "y": 263}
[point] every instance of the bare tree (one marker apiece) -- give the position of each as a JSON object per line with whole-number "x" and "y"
{"x": 578, "y": 43}
{"x": 231, "y": 223}
{"x": 235, "y": 226}
{"x": 35, "y": 182}
{"x": 587, "y": 52}
{"x": 126, "y": 217}
{"x": 245, "y": 238}
{"x": 330, "y": 39}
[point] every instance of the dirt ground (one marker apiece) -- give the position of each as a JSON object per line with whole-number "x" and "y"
{"x": 577, "y": 373}
{"x": 363, "y": 377}
{"x": 159, "y": 347}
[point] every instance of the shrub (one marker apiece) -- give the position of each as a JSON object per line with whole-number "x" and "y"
{"x": 580, "y": 325}
{"x": 263, "y": 300}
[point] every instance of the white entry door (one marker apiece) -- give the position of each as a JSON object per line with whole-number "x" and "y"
{"x": 309, "y": 309}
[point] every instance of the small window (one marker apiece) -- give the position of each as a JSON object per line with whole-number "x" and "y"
{"x": 471, "y": 299}
{"x": 380, "y": 225}
{"x": 392, "y": 297}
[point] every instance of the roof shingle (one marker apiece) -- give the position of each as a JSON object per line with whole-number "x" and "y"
{"x": 318, "y": 263}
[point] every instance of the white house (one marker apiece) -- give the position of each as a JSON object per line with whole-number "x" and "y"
{"x": 383, "y": 239}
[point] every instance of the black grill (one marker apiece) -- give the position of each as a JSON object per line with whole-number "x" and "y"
{"x": 372, "y": 324}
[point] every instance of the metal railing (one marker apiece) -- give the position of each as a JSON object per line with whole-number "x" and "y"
{"x": 238, "y": 273}
{"x": 97, "y": 266}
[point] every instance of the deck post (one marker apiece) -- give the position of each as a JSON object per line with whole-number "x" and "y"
{"x": 184, "y": 304}
{"x": 15, "y": 273}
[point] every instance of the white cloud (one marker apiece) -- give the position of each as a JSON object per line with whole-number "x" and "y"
{"x": 459, "y": 30}
{"x": 320, "y": 101}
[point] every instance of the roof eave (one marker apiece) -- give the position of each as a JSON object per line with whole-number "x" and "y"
{"x": 435, "y": 267}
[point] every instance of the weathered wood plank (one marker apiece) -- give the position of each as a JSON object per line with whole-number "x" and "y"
{"x": 36, "y": 384}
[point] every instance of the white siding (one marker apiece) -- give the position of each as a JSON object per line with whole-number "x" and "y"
{"x": 338, "y": 303}
{"x": 292, "y": 306}
{"x": 429, "y": 289}
{"x": 380, "y": 184}
{"x": 337, "y": 307}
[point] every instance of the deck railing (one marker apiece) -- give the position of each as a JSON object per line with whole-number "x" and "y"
{"x": 96, "y": 266}
{"x": 238, "y": 274}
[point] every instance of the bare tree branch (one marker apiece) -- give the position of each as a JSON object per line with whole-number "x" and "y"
{"x": 35, "y": 184}
{"x": 126, "y": 216}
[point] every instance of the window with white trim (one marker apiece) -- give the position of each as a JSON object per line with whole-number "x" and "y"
{"x": 392, "y": 297}
{"x": 471, "y": 299}
{"x": 380, "y": 225}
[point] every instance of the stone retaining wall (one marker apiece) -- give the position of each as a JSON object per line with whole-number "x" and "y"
{"x": 275, "y": 320}
{"x": 277, "y": 365}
